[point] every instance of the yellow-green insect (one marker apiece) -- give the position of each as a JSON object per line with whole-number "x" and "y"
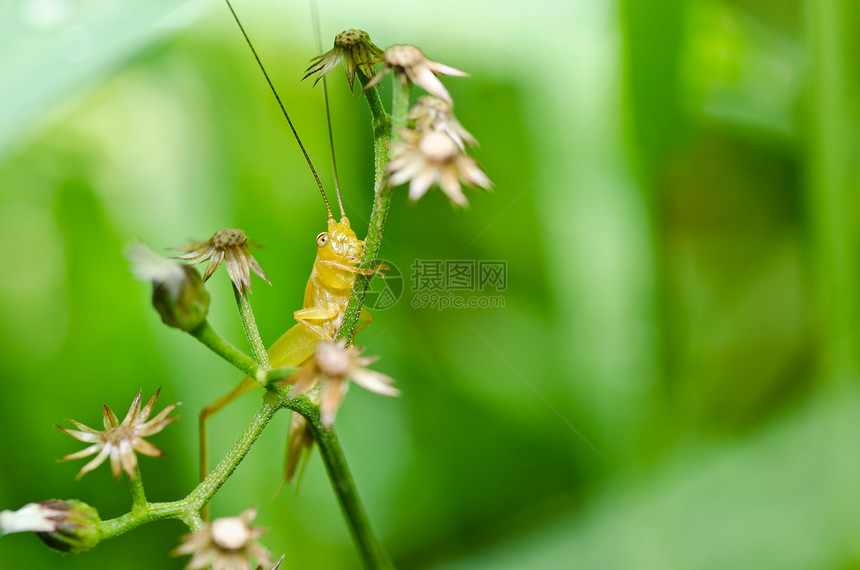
{"x": 326, "y": 295}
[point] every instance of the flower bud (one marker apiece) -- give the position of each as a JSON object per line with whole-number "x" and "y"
{"x": 186, "y": 310}
{"x": 178, "y": 293}
{"x": 67, "y": 526}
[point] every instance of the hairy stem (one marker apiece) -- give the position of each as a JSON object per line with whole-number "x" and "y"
{"x": 249, "y": 325}
{"x": 138, "y": 496}
{"x": 370, "y": 550}
{"x": 205, "y": 490}
{"x": 400, "y": 103}
{"x": 276, "y": 374}
{"x": 148, "y": 513}
{"x": 369, "y": 547}
{"x": 217, "y": 344}
{"x": 383, "y": 125}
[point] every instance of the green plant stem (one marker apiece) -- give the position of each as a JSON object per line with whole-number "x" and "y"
{"x": 383, "y": 126}
{"x": 249, "y": 324}
{"x": 831, "y": 193}
{"x": 148, "y": 513}
{"x": 370, "y": 550}
{"x": 276, "y": 374}
{"x": 217, "y": 344}
{"x": 138, "y": 496}
{"x": 193, "y": 521}
{"x": 188, "y": 509}
{"x": 400, "y": 103}
{"x": 206, "y": 489}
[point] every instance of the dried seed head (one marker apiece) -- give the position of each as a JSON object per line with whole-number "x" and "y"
{"x": 119, "y": 441}
{"x": 231, "y": 533}
{"x": 229, "y": 543}
{"x": 432, "y": 113}
{"x": 438, "y": 147}
{"x": 67, "y": 526}
{"x": 230, "y": 245}
{"x": 228, "y": 237}
{"x": 333, "y": 360}
{"x": 403, "y": 56}
{"x": 355, "y": 49}
{"x": 424, "y": 158}
{"x": 333, "y": 365}
{"x": 409, "y": 63}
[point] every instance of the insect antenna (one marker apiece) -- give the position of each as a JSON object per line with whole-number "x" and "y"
{"x": 318, "y": 35}
{"x": 283, "y": 109}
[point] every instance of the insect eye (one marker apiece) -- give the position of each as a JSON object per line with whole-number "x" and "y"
{"x": 322, "y": 239}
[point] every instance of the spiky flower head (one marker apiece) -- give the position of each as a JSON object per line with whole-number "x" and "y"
{"x": 178, "y": 293}
{"x": 120, "y": 440}
{"x": 67, "y": 526}
{"x": 356, "y": 51}
{"x": 424, "y": 158}
{"x": 432, "y": 113}
{"x": 410, "y": 63}
{"x": 230, "y": 245}
{"x": 229, "y": 543}
{"x": 333, "y": 365}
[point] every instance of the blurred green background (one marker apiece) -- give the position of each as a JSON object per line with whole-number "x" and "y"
{"x": 672, "y": 382}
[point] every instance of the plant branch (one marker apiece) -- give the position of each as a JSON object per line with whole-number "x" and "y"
{"x": 383, "y": 125}
{"x": 276, "y": 374}
{"x": 138, "y": 496}
{"x": 369, "y": 548}
{"x": 249, "y": 325}
{"x": 150, "y": 512}
{"x": 217, "y": 344}
{"x": 400, "y": 103}
{"x": 207, "y": 488}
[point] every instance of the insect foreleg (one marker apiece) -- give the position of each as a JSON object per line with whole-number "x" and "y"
{"x": 378, "y": 269}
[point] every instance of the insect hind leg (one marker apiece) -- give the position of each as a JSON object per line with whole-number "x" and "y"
{"x": 243, "y": 387}
{"x": 319, "y": 314}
